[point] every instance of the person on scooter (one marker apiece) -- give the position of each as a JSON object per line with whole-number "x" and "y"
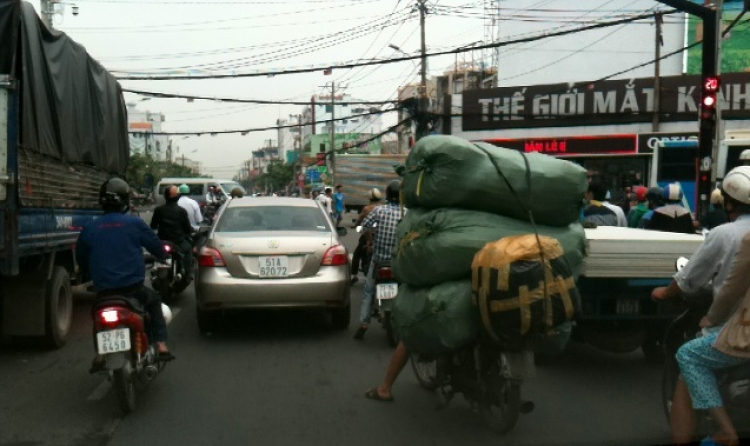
{"x": 700, "y": 358}
{"x": 191, "y": 206}
{"x": 709, "y": 266}
{"x": 361, "y": 258}
{"x": 110, "y": 251}
{"x": 173, "y": 225}
{"x": 380, "y": 225}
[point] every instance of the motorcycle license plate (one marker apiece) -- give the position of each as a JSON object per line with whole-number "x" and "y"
{"x": 113, "y": 341}
{"x": 386, "y": 290}
{"x": 275, "y": 266}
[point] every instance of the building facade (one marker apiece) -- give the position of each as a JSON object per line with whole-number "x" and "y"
{"x": 144, "y": 128}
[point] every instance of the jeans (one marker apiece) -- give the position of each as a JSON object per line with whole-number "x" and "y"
{"x": 368, "y": 295}
{"x": 698, "y": 362}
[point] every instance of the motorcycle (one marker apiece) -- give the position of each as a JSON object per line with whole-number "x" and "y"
{"x": 488, "y": 376}
{"x": 169, "y": 278}
{"x": 734, "y": 382}
{"x": 386, "y": 289}
{"x": 131, "y": 360}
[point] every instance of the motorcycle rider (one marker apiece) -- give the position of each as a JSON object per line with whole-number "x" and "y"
{"x": 380, "y": 226}
{"x": 191, "y": 206}
{"x": 109, "y": 250}
{"x": 173, "y": 225}
{"x": 672, "y": 217}
{"x": 710, "y": 264}
{"x": 700, "y": 358}
{"x": 361, "y": 258}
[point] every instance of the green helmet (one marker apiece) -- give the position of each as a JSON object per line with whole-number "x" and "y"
{"x": 184, "y": 189}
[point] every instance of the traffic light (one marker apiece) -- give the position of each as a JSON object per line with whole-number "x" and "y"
{"x": 708, "y": 98}
{"x": 321, "y": 159}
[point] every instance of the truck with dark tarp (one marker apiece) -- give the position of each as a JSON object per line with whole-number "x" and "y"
{"x": 63, "y": 132}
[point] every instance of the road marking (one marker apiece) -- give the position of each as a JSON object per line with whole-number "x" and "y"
{"x": 100, "y": 391}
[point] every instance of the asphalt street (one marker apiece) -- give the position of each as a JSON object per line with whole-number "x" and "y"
{"x": 283, "y": 378}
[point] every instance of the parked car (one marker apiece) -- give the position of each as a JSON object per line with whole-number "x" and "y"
{"x": 272, "y": 253}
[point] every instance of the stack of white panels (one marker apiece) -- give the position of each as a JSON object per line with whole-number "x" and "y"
{"x": 635, "y": 253}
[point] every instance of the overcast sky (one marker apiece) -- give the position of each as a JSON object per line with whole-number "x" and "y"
{"x": 162, "y": 37}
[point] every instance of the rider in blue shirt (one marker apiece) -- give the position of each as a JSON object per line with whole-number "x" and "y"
{"x": 109, "y": 250}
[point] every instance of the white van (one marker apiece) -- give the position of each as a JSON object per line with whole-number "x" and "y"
{"x": 198, "y": 188}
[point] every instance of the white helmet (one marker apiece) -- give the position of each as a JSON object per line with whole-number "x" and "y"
{"x": 166, "y": 312}
{"x": 375, "y": 194}
{"x": 745, "y": 155}
{"x": 716, "y": 197}
{"x": 737, "y": 184}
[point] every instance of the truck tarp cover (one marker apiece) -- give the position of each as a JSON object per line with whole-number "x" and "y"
{"x": 72, "y": 109}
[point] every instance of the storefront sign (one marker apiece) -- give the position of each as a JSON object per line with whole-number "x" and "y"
{"x": 598, "y": 103}
{"x": 572, "y": 146}
{"x": 647, "y": 142}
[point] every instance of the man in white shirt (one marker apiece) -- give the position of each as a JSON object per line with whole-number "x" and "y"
{"x": 191, "y": 206}
{"x": 326, "y": 200}
{"x": 622, "y": 220}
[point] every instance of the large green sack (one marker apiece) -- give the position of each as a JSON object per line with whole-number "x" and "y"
{"x": 436, "y": 320}
{"x": 445, "y": 171}
{"x": 438, "y": 245}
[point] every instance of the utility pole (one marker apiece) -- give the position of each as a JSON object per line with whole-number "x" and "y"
{"x": 658, "y": 21}
{"x": 333, "y": 132}
{"x": 422, "y": 105}
{"x": 47, "y": 10}
{"x": 710, "y": 16}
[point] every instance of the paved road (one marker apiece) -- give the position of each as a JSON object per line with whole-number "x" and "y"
{"x": 288, "y": 378}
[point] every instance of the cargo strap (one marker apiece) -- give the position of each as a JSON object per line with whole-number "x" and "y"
{"x": 522, "y": 205}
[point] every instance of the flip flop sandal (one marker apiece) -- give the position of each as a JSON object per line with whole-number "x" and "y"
{"x": 374, "y": 395}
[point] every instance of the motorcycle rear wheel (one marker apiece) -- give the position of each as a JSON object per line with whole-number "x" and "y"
{"x": 124, "y": 383}
{"x": 425, "y": 369}
{"x": 501, "y": 404}
{"x": 389, "y": 329}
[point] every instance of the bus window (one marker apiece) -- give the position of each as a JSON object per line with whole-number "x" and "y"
{"x": 676, "y": 164}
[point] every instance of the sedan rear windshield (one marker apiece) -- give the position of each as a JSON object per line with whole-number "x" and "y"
{"x": 272, "y": 218}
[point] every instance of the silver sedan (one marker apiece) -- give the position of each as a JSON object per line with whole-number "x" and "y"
{"x": 273, "y": 253}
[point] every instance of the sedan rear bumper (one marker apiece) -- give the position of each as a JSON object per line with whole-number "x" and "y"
{"x": 216, "y": 289}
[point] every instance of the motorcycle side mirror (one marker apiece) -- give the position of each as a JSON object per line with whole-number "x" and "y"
{"x": 681, "y": 263}
{"x": 341, "y": 231}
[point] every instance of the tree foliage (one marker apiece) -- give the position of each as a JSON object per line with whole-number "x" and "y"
{"x": 144, "y": 171}
{"x": 277, "y": 178}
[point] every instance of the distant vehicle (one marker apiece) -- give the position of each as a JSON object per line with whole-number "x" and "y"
{"x": 360, "y": 173}
{"x": 272, "y": 253}
{"x": 198, "y": 188}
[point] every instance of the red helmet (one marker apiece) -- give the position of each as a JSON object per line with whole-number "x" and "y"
{"x": 640, "y": 193}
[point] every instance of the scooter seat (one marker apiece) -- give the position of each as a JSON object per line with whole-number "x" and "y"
{"x": 129, "y": 302}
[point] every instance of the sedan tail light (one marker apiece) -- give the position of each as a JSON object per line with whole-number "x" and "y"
{"x": 210, "y": 257}
{"x": 335, "y": 256}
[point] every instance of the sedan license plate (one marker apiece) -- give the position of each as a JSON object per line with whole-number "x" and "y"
{"x": 628, "y": 306}
{"x": 113, "y": 341}
{"x": 386, "y": 290}
{"x": 276, "y": 266}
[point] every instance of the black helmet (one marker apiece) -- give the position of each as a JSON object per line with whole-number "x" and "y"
{"x": 655, "y": 193}
{"x": 392, "y": 191}
{"x": 114, "y": 195}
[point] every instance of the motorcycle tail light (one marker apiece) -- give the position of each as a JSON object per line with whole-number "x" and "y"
{"x": 210, "y": 257}
{"x": 110, "y": 316}
{"x": 335, "y": 256}
{"x": 385, "y": 273}
{"x": 168, "y": 248}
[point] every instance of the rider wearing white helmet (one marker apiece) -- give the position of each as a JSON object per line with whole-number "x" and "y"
{"x": 672, "y": 217}
{"x": 745, "y": 158}
{"x": 709, "y": 266}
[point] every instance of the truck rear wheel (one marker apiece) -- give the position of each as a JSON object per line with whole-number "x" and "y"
{"x": 59, "y": 308}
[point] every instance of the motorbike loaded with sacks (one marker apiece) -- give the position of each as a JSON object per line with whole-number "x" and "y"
{"x": 521, "y": 289}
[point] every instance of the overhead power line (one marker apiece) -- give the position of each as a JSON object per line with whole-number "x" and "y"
{"x": 264, "y": 129}
{"x": 395, "y": 59}
{"x": 156, "y": 94}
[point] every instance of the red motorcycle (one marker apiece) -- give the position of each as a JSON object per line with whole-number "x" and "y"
{"x": 131, "y": 358}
